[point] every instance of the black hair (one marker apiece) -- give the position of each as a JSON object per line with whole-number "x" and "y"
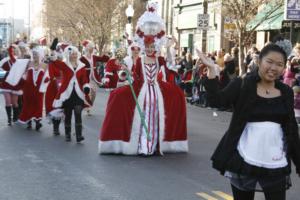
{"x": 272, "y": 48}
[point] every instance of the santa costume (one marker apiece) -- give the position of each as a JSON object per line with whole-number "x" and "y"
{"x": 133, "y": 55}
{"x": 73, "y": 93}
{"x": 90, "y": 60}
{"x": 163, "y": 127}
{"x": 115, "y": 75}
{"x": 32, "y": 97}
{"x": 11, "y": 82}
{"x": 51, "y": 83}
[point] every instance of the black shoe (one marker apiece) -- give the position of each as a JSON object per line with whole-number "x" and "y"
{"x": 68, "y": 139}
{"x": 56, "y": 127}
{"x": 78, "y": 130}
{"x": 8, "y": 113}
{"x": 56, "y": 133}
{"x": 29, "y": 126}
{"x": 15, "y": 114}
{"x": 79, "y": 139}
{"x": 38, "y": 125}
{"x": 68, "y": 133}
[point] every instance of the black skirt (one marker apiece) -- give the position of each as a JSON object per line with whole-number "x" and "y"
{"x": 253, "y": 178}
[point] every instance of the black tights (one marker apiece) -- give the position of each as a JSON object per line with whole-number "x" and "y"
{"x": 68, "y": 114}
{"x": 249, "y": 195}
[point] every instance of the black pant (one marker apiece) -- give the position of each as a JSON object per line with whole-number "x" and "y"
{"x": 68, "y": 114}
{"x": 73, "y": 103}
{"x": 249, "y": 195}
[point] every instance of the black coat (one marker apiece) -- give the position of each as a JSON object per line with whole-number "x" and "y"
{"x": 241, "y": 93}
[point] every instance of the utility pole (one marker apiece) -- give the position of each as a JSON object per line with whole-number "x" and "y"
{"x": 13, "y": 22}
{"x": 29, "y": 20}
{"x": 204, "y": 32}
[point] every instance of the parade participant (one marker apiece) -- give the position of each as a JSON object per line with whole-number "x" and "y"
{"x": 155, "y": 121}
{"x": 114, "y": 73}
{"x": 24, "y": 50}
{"x": 90, "y": 60}
{"x": 9, "y": 91}
{"x": 32, "y": 98}
{"x": 74, "y": 91}
{"x": 171, "y": 48}
{"x": 50, "y": 85}
{"x": 133, "y": 54}
{"x": 262, "y": 139}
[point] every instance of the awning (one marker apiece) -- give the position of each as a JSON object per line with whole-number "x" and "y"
{"x": 273, "y": 22}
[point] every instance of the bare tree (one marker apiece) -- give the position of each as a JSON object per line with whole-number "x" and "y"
{"x": 243, "y": 12}
{"x": 76, "y": 20}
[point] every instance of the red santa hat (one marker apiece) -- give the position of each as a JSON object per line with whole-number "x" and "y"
{"x": 134, "y": 46}
{"x": 88, "y": 44}
{"x": 43, "y": 41}
{"x": 61, "y": 46}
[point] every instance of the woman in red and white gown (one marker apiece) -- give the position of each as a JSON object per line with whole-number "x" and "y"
{"x": 164, "y": 108}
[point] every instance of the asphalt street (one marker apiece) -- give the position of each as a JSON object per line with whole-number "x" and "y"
{"x": 40, "y": 166}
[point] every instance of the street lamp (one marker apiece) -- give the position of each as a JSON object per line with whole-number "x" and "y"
{"x": 129, "y": 13}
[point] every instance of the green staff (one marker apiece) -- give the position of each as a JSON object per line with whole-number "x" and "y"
{"x": 128, "y": 77}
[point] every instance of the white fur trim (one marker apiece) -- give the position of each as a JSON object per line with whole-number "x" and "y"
{"x": 108, "y": 74}
{"x": 120, "y": 84}
{"x": 174, "y": 146}
{"x": 56, "y": 114}
{"x": 16, "y": 92}
{"x": 117, "y": 147}
{"x": 33, "y": 118}
{"x": 86, "y": 85}
{"x": 44, "y": 86}
{"x": 105, "y": 80}
{"x": 79, "y": 63}
{"x": 121, "y": 147}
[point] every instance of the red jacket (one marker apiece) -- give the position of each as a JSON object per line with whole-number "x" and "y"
{"x": 165, "y": 74}
{"x": 91, "y": 67}
{"x": 50, "y": 85}
{"x": 111, "y": 73}
{"x": 71, "y": 77}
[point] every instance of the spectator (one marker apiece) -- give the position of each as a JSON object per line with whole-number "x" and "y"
{"x": 235, "y": 55}
{"x": 253, "y": 65}
{"x": 220, "y": 58}
{"x": 296, "y": 90}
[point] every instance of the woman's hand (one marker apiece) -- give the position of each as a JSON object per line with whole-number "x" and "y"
{"x": 213, "y": 71}
{"x": 86, "y": 90}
